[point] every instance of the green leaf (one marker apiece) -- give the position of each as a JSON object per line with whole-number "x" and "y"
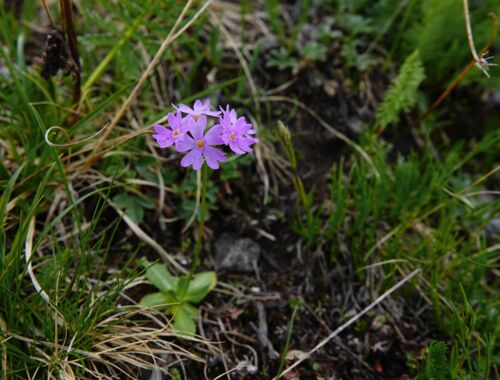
{"x": 184, "y": 319}
{"x": 315, "y": 51}
{"x": 133, "y": 206}
{"x": 181, "y": 289}
{"x": 157, "y": 300}
{"x": 200, "y": 286}
{"x": 4, "y": 198}
{"x": 160, "y": 277}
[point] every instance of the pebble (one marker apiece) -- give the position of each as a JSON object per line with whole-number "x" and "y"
{"x": 236, "y": 254}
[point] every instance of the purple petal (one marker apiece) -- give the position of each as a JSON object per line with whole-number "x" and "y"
{"x": 184, "y": 144}
{"x": 235, "y": 148}
{"x": 225, "y": 123}
{"x": 214, "y": 135}
{"x": 242, "y": 126}
{"x": 245, "y": 143}
{"x": 212, "y": 113}
{"x": 197, "y": 160}
{"x": 174, "y": 120}
{"x": 233, "y": 116}
{"x": 162, "y": 131}
{"x": 163, "y": 142}
{"x": 211, "y": 161}
{"x": 189, "y": 158}
{"x": 212, "y": 155}
{"x": 198, "y": 106}
{"x": 184, "y": 126}
{"x": 184, "y": 108}
{"x": 197, "y": 127}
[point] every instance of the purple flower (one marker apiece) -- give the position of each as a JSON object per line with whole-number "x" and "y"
{"x": 166, "y": 137}
{"x": 198, "y": 109}
{"x": 229, "y": 114}
{"x": 235, "y": 132}
{"x": 200, "y": 146}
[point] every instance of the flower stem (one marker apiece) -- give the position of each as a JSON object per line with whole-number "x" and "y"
{"x": 198, "y": 245}
{"x": 201, "y": 218}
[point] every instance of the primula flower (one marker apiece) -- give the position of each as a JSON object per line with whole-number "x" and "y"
{"x": 235, "y": 132}
{"x": 200, "y": 145}
{"x": 198, "y": 109}
{"x": 229, "y": 113}
{"x": 166, "y": 137}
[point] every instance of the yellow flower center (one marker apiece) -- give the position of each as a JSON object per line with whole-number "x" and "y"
{"x": 196, "y": 117}
{"x": 199, "y": 143}
{"x": 232, "y": 136}
{"x": 175, "y": 133}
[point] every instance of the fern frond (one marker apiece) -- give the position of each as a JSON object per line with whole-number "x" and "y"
{"x": 402, "y": 94}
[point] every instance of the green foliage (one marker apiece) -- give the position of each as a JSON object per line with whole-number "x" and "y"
{"x": 308, "y": 220}
{"x": 436, "y": 363}
{"x": 282, "y": 59}
{"x": 416, "y": 212}
{"x": 402, "y": 94}
{"x": 459, "y": 364}
{"x": 315, "y": 51}
{"x": 437, "y": 29}
{"x": 133, "y": 206}
{"x": 187, "y": 191}
{"x": 272, "y": 8}
{"x": 177, "y": 294}
{"x": 360, "y": 62}
{"x": 421, "y": 210}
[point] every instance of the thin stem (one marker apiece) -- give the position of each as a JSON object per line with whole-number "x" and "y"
{"x": 470, "y": 38}
{"x": 49, "y": 13}
{"x": 68, "y": 26}
{"x": 481, "y": 62}
{"x": 287, "y": 342}
{"x": 198, "y": 245}
{"x": 201, "y": 219}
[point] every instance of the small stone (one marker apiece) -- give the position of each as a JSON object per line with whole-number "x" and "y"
{"x": 255, "y": 289}
{"x": 355, "y": 126}
{"x": 251, "y": 369}
{"x": 236, "y": 254}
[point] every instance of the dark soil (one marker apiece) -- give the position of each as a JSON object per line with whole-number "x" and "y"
{"x": 385, "y": 344}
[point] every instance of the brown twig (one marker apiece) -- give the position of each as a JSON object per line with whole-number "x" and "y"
{"x": 68, "y": 27}
{"x": 49, "y": 14}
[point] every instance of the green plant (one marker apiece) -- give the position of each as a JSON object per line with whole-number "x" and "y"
{"x": 282, "y": 59}
{"x": 402, "y": 94}
{"x": 178, "y": 294}
{"x": 308, "y": 220}
{"x": 436, "y": 363}
{"x": 133, "y": 206}
{"x": 296, "y": 304}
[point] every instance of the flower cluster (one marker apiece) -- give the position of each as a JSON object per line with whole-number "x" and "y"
{"x": 189, "y": 134}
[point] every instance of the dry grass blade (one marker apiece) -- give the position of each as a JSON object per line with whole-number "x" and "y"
{"x": 120, "y": 345}
{"x": 172, "y": 35}
{"x": 28, "y": 248}
{"x": 149, "y": 241}
{"x": 350, "y": 322}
